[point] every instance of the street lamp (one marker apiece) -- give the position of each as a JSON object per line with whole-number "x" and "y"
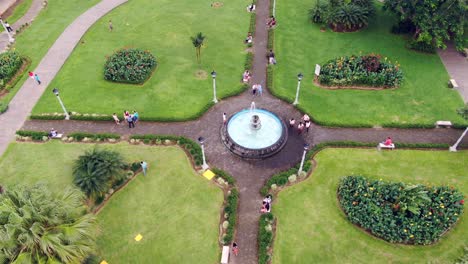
{"x": 299, "y": 79}
{"x": 10, "y": 38}
{"x": 201, "y": 140}
{"x": 56, "y": 92}
{"x": 213, "y": 74}
{"x": 306, "y": 147}
{"x": 454, "y": 147}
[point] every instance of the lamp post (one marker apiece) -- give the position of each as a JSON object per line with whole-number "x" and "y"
{"x": 10, "y": 38}
{"x": 201, "y": 140}
{"x": 213, "y": 74}
{"x": 306, "y": 147}
{"x": 454, "y": 147}
{"x": 56, "y": 92}
{"x": 299, "y": 79}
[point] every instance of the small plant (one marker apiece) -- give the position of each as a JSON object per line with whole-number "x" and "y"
{"x": 129, "y": 66}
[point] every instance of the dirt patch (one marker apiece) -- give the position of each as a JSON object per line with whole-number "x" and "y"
{"x": 201, "y": 74}
{"x": 216, "y": 4}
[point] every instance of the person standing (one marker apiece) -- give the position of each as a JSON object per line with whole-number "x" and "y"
{"x": 254, "y": 90}
{"x": 36, "y": 78}
{"x": 111, "y": 27}
{"x": 224, "y": 118}
{"x": 300, "y": 128}
{"x": 144, "y": 167}
{"x": 126, "y": 114}
{"x": 31, "y": 75}
{"x": 307, "y": 126}
{"x": 292, "y": 122}
{"x": 135, "y": 116}
{"x": 235, "y": 248}
{"x": 259, "y": 89}
{"x": 116, "y": 119}
{"x": 130, "y": 122}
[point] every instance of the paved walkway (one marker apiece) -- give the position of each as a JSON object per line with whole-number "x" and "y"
{"x": 250, "y": 175}
{"x": 457, "y": 66}
{"x": 5, "y": 4}
{"x": 21, "y": 105}
{"x": 33, "y": 11}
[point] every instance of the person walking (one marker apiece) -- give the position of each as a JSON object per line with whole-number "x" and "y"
{"x": 8, "y": 27}
{"x": 300, "y": 128}
{"x": 36, "y": 78}
{"x": 116, "y": 119}
{"x": 235, "y": 248}
{"x": 292, "y": 122}
{"x": 307, "y": 126}
{"x": 31, "y": 75}
{"x": 135, "y": 116}
{"x": 254, "y": 89}
{"x": 130, "y": 122}
{"x": 111, "y": 27}
{"x": 259, "y": 89}
{"x": 126, "y": 114}
{"x": 224, "y": 118}
{"x": 144, "y": 167}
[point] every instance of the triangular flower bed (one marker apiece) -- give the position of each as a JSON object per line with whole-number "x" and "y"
{"x": 398, "y": 212}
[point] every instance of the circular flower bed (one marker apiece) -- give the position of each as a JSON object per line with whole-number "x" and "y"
{"x": 129, "y": 66}
{"x": 366, "y": 70}
{"x": 400, "y": 213}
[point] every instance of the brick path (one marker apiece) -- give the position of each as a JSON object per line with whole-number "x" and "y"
{"x": 33, "y": 11}
{"x": 457, "y": 67}
{"x": 250, "y": 175}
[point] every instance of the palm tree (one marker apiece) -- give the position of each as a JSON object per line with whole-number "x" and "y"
{"x": 96, "y": 169}
{"x": 39, "y": 227}
{"x": 412, "y": 198}
{"x": 197, "y": 42}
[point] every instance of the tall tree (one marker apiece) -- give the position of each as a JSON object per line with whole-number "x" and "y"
{"x": 197, "y": 42}
{"x": 435, "y": 21}
{"x": 37, "y": 226}
{"x": 96, "y": 169}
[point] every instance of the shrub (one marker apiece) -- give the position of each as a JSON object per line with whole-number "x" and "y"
{"x": 3, "y": 107}
{"x": 35, "y": 135}
{"x": 367, "y": 70}
{"x": 265, "y": 237}
{"x": 400, "y": 213}
{"x": 422, "y": 46}
{"x": 226, "y": 176}
{"x": 248, "y": 61}
{"x": 80, "y": 136}
{"x": 10, "y": 63}
{"x": 129, "y": 66}
{"x": 318, "y": 14}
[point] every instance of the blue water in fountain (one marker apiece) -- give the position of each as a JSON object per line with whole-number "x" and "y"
{"x": 240, "y": 132}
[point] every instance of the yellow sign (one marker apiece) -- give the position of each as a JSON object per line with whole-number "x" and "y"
{"x": 208, "y": 174}
{"x": 138, "y": 237}
{"x": 103, "y": 262}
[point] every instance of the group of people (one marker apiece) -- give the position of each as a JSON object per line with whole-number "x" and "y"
{"x": 266, "y": 204}
{"x": 131, "y": 119}
{"x": 257, "y": 89}
{"x": 52, "y": 133}
{"x": 35, "y": 77}
{"x": 271, "y": 57}
{"x": 304, "y": 124}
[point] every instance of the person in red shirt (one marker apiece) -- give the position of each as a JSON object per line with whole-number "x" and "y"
{"x": 388, "y": 141}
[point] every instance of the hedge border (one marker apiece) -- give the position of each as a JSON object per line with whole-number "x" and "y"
{"x": 265, "y": 238}
{"x": 79, "y": 136}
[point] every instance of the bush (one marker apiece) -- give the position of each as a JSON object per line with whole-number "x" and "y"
{"x": 403, "y": 27}
{"x": 367, "y": 70}
{"x": 265, "y": 237}
{"x": 35, "y": 135}
{"x": 3, "y": 107}
{"x": 248, "y": 61}
{"x": 422, "y": 46}
{"x": 400, "y": 213}
{"x": 226, "y": 176}
{"x": 80, "y": 136}
{"x": 231, "y": 210}
{"x": 129, "y": 66}
{"x": 10, "y": 63}
{"x": 318, "y": 14}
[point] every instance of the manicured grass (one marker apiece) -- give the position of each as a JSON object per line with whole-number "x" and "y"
{"x": 19, "y": 12}
{"x": 35, "y": 40}
{"x": 312, "y": 226}
{"x": 423, "y": 98}
{"x": 164, "y": 29}
{"x": 176, "y": 210}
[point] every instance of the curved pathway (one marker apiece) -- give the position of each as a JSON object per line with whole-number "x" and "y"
{"x": 33, "y": 11}
{"x": 457, "y": 67}
{"x": 21, "y": 105}
{"x": 250, "y": 175}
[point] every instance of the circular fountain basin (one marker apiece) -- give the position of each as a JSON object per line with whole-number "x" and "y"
{"x": 243, "y": 140}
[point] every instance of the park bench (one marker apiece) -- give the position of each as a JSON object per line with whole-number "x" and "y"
{"x": 225, "y": 255}
{"x": 383, "y": 146}
{"x": 58, "y": 136}
{"x": 453, "y": 84}
{"x": 443, "y": 124}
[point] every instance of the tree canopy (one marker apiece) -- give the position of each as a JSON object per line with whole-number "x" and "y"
{"x": 435, "y": 21}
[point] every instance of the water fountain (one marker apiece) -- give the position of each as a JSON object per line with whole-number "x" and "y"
{"x": 254, "y": 133}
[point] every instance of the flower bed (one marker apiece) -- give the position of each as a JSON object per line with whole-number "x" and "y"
{"x": 129, "y": 66}
{"x": 400, "y": 213}
{"x": 366, "y": 70}
{"x": 10, "y": 63}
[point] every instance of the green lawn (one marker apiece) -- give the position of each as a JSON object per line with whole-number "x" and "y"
{"x": 423, "y": 97}
{"x": 35, "y": 40}
{"x": 165, "y": 29}
{"x": 176, "y": 210}
{"x": 311, "y": 225}
{"x": 19, "y": 12}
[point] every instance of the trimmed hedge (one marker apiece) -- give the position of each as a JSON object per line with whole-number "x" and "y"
{"x": 10, "y": 63}
{"x": 366, "y": 70}
{"x": 189, "y": 145}
{"x": 80, "y": 136}
{"x": 226, "y": 176}
{"x": 231, "y": 210}
{"x": 35, "y": 135}
{"x": 248, "y": 61}
{"x": 271, "y": 39}
{"x": 265, "y": 237}
{"x": 129, "y": 66}
{"x": 281, "y": 178}
{"x": 388, "y": 210}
